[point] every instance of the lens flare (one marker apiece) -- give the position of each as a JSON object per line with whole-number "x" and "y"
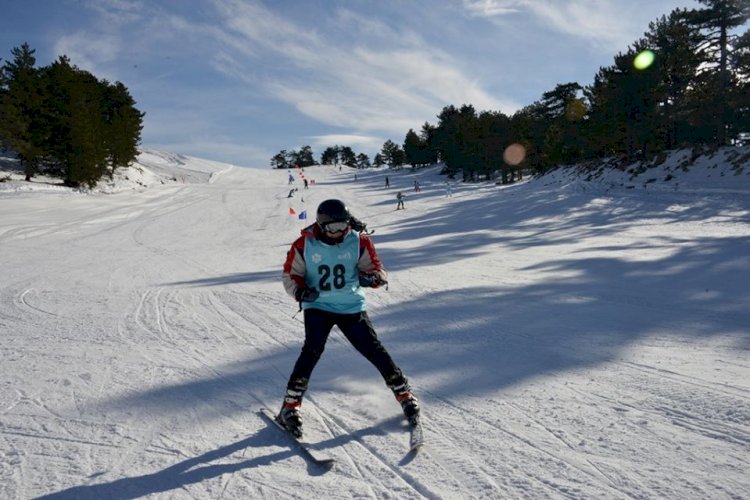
{"x": 644, "y": 59}
{"x": 514, "y": 154}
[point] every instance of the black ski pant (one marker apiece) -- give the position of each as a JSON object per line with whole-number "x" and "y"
{"x": 358, "y": 330}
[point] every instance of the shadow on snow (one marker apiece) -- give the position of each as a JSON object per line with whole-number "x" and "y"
{"x": 491, "y": 337}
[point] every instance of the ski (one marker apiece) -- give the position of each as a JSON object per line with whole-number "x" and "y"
{"x": 303, "y": 446}
{"x": 416, "y": 436}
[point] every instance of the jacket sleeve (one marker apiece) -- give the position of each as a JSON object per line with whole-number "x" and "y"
{"x": 293, "y": 275}
{"x": 369, "y": 262}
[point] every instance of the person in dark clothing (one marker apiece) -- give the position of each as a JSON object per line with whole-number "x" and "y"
{"x": 326, "y": 271}
{"x": 400, "y": 197}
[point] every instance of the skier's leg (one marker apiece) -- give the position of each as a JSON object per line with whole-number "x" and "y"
{"x": 399, "y": 384}
{"x": 359, "y": 331}
{"x": 317, "y": 328}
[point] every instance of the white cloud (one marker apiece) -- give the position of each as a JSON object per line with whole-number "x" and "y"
{"x": 340, "y": 81}
{"x": 598, "y": 20}
{"x": 344, "y": 82}
{"x": 345, "y": 69}
{"x": 116, "y": 12}
{"x": 356, "y": 142}
{"x": 491, "y": 8}
{"x": 610, "y": 23}
{"x": 89, "y": 51}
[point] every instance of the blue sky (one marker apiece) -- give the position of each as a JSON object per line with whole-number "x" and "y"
{"x": 240, "y": 80}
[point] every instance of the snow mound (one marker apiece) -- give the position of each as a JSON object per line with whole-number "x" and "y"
{"x": 724, "y": 171}
{"x": 151, "y": 168}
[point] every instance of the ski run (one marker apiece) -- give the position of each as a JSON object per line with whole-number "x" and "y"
{"x": 579, "y": 335}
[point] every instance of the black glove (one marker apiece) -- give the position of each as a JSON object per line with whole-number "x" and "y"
{"x": 306, "y": 294}
{"x": 371, "y": 280}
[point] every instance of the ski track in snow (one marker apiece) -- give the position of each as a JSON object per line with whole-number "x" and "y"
{"x": 565, "y": 342}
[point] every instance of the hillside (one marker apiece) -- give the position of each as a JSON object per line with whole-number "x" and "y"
{"x": 579, "y": 335}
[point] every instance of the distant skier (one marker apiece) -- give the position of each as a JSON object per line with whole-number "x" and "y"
{"x": 387, "y": 182}
{"x": 325, "y": 271}
{"x": 400, "y": 197}
{"x": 291, "y": 179}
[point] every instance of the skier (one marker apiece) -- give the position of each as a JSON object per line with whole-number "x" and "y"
{"x": 400, "y": 197}
{"x": 325, "y": 271}
{"x": 387, "y": 182}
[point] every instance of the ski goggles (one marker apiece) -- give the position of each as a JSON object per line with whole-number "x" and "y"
{"x": 335, "y": 227}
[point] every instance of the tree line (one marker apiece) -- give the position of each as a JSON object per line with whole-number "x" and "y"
{"x": 64, "y": 122}
{"x": 695, "y": 93}
{"x": 391, "y": 154}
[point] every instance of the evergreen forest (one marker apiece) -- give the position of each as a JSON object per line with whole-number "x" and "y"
{"x": 63, "y": 122}
{"x": 693, "y": 93}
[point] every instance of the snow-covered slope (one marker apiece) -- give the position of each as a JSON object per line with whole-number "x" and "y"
{"x": 152, "y": 167}
{"x": 574, "y": 336}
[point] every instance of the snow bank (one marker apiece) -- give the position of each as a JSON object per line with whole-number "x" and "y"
{"x": 151, "y": 168}
{"x": 723, "y": 171}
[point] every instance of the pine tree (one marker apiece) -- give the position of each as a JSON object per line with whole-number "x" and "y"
{"x": 363, "y": 161}
{"x": 417, "y": 148}
{"x": 347, "y": 156}
{"x": 330, "y": 156}
{"x": 564, "y": 110}
{"x": 20, "y": 109}
{"x": 675, "y": 45}
{"x": 378, "y": 160}
{"x": 455, "y": 139}
{"x": 717, "y": 82}
{"x": 493, "y": 136}
{"x": 392, "y": 154}
{"x": 279, "y": 160}
{"x": 413, "y": 147}
{"x": 78, "y": 142}
{"x": 122, "y": 126}
{"x": 741, "y": 102}
{"x": 305, "y": 157}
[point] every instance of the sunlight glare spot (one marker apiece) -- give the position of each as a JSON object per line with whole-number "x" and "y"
{"x": 514, "y": 154}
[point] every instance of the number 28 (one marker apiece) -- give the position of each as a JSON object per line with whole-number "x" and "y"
{"x": 339, "y": 277}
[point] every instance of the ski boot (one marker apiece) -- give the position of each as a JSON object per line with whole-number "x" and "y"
{"x": 409, "y": 402}
{"x": 289, "y": 416}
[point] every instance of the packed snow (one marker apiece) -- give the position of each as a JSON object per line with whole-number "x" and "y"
{"x": 585, "y": 334}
